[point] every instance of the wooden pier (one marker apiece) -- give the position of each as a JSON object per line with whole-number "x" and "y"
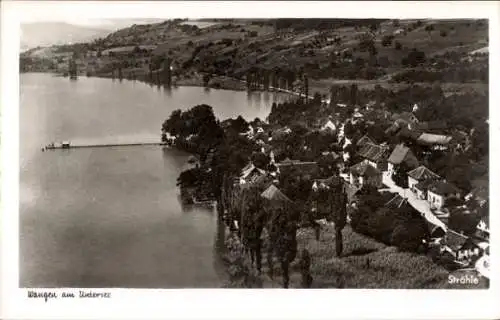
{"x": 64, "y": 145}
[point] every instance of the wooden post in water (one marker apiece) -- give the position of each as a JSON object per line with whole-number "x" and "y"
{"x": 73, "y": 70}
{"x": 150, "y": 74}
{"x": 167, "y": 72}
{"x": 250, "y": 80}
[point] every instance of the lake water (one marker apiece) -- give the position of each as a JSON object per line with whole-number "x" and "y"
{"x": 111, "y": 217}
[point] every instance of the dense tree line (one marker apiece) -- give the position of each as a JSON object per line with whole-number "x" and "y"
{"x": 456, "y": 75}
{"x": 400, "y": 226}
{"x": 323, "y": 24}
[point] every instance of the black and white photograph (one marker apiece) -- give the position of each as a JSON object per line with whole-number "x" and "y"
{"x": 184, "y": 152}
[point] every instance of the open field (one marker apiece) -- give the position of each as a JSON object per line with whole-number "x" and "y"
{"x": 365, "y": 263}
{"x": 323, "y": 85}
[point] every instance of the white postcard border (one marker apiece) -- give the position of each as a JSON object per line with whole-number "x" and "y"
{"x": 230, "y": 304}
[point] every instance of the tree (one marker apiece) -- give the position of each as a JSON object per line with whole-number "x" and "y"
{"x": 239, "y": 125}
{"x": 400, "y": 176}
{"x": 335, "y": 198}
{"x": 296, "y": 186}
{"x": 387, "y": 40}
{"x": 414, "y": 58}
{"x": 282, "y": 230}
{"x": 398, "y": 45}
{"x": 340, "y": 218}
{"x": 409, "y": 234}
{"x": 366, "y": 44}
{"x": 429, "y": 28}
{"x": 328, "y": 165}
{"x": 260, "y": 160}
{"x": 206, "y": 79}
{"x": 173, "y": 125}
{"x": 354, "y": 94}
{"x": 305, "y": 266}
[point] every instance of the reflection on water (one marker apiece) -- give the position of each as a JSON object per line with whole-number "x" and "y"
{"x": 111, "y": 217}
{"x": 167, "y": 90}
{"x": 267, "y": 97}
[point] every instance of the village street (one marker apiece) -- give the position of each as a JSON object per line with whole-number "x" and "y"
{"x": 420, "y": 205}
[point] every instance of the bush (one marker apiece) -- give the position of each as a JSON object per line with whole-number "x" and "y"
{"x": 398, "y": 45}
{"x": 402, "y": 227}
{"x": 443, "y": 33}
{"x": 260, "y": 160}
{"x": 387, "y": 40}
{"x": 408, "y": 235}
{"x": 414, "y": 58}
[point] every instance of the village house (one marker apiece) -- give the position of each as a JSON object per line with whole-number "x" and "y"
{"x": 364, "y": 140}
{"x": 452, "y": 242}
{"x": 375, "y": 155}
{"x": 309, "y": 168}
{"x": 434, "y": 141}
{"x": 422, "y": 188}
{"x": 363, "y": 174}
{"x": 398, "y": 31}
{"x": 250, "y": 173}
{"x": 326, "y": 183}
{"x": 436, "y": 232}
{"x": 401, "y": 154}
{"x": 419, "y": 175}
{"x": 469, "y": 252}
{"x": 406, "y": 117}
{"x": 439, "y": 192}
{"x": 272, "y": 193}
{"x": 483, "y": 229}
{"x": 329, "y": 126}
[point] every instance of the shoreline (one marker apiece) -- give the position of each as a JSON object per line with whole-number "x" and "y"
{"x": 216, "y": 82}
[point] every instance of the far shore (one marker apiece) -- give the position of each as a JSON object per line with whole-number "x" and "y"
{"x": 216, "y": 82}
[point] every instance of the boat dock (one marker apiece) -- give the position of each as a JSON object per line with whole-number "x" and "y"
{"x": 67, "y": 145}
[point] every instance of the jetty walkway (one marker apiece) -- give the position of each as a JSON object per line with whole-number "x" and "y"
{"x": 67, "y": 145}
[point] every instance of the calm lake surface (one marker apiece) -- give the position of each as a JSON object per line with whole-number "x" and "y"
{"x": 111, "y": 217}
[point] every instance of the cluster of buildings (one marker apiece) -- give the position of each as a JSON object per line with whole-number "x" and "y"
{"x": 432, "y": 195}
{"x": 428, "y": 191}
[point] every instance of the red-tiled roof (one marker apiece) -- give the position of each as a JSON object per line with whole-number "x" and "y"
{"x": 433, "y": 139}
{"x": 364, "y": 140}
{"x": 454, "y": 240}
{"x": 422, "y": 173}
{"x": 403, "y": 154}
{"x": 274, "y": 194}
{"x": 331, "y": 181}
{"x": 373, "y": 152}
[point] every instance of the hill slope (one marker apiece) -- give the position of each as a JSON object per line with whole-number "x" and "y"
{"x": 56, "y": 33}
